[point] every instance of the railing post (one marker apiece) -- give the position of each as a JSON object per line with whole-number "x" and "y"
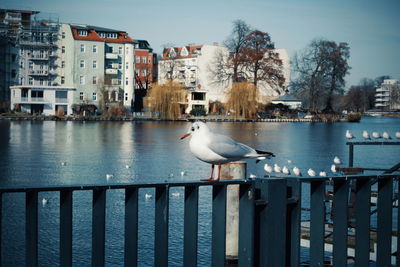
{"x": 351, "y": 154}
{"x": 131, "y": 226}
{"x": 190, "y": 226}
{"x": 65, "y": 228}
{"x": 218, "y": 225}
{"x": 272, "y": 216}
{"x": 317, "y": 223}
{"x": 98, "y": 227}
{"x": 161, "y": 226}
{"x": 384, "y": 222}
{"x": 31, "y": 229}
{"x": 293, "y": 223}
{"x": 246, "y": 225}
{"x": 1, "y": 219}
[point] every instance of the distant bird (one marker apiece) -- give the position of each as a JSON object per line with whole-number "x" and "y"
{"x": 289, "y": 161}
{"x": 322, "y": 174}
{"x": 148, "y": 196}
{"x": 127, "y": 166}
{"x": 171, "y": 175}
{"x": 109, "y": 176}
{"x": 311, "y": 172}
{"x": 252, "y": 176}
{"x": 183, "y": 173}
{"x": 217, "y": 149}
{"x": 44, "y": 202}
{"x": 376, "y": 135}
{"x": 333, "y": 168}
{"x": 63, "y": 163}
{"x": 337, "y": 160}
{"x": 285, "y": 170}
{"x": 366, "y": 135}
{"x": 268, "y": 168}
{"x": 176, "y": 194}
{"x": 397, "y": 135}
{"x": 296, "y": 171}
{"x": 349, "y": 135}
{"x": 386, "y": 136}
{"x": 277, "y": 168}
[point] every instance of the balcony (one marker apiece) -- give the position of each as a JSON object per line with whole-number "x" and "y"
{"x": 111, "y": 56}
{"x": 382, "y": 90}
{"x": 381, "y": 104}
{"x": 38, "y": 57}
{"x": 111, "y": 71}
{"x": 38, "y": 72}
{"x": 115, "y": 82}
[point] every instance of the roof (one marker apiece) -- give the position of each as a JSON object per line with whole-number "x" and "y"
{"x": 93, "y": 34}
{"x": 287, "y": 98}
{"x": 190, "y": 49}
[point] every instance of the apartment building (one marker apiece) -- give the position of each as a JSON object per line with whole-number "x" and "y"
{"x": 387, "y": 96}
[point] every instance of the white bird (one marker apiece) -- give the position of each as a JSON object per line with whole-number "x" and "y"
{"x": 322, "y": 174}
{"x": 176, "y": 194}
{"x": 268, "y": 168}
{"x": 217, "y": 149}
{"x": 337, "y": 160}
{"x": 311, "y": 172}
{"x": 289, "y": 161}
{"x": 333, "y": 168}
{"x": 277, "y": 168}
{"x": 296, "y": 171}
{"x": 109, "y": 176}
{"x": 386, "y": 136}
{"x": 349, "y": 135}
{"x": 285, "y": 170}
{"x": 148, "y": 196}
{"x": 366, "y": 135}
{"x": 127, "y": 166}
{"x": 63, "y": 163}
{"x": 376, "y": 135}
{"x": 183, "y": 173}
{"x": 44, "y": 202}
{"x": 252, "y": 176}
{"x": 397, "y": 135}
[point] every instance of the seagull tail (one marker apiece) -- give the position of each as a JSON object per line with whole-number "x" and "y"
{"x": 264, "y": 155}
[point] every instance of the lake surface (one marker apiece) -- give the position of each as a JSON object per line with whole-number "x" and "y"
{"x": 31, "y": 153}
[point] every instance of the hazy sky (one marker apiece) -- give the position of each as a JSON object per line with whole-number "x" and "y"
{"x": 372, "y": 28}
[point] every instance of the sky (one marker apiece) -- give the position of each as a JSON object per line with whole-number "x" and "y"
{"x": 371, "y": 28}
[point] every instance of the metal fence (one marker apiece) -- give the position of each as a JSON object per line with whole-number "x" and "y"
{"x": 270, "y": 225}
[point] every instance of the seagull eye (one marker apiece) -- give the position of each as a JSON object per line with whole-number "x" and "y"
{"x": 192, "y": 129}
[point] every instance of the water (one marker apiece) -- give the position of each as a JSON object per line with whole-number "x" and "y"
{"x": 31, "y": 153}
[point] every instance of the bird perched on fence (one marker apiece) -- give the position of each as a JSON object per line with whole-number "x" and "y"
{"x": 311, "y": 172}
{"x": 296, "y": 171}
{"x": 386, "y": 136}
{"x": 349, "y": 135}
{"x": 376, "y": 135}
{"x": 397, "y": 135}
{"x": 217, "y": 149}
{"x": 337, "y": 160}
{"x": 366, "y": 135}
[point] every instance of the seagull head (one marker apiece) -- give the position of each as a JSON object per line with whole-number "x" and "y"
{"x": 197, "y": 128}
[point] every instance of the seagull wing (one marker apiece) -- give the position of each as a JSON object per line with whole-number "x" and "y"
{"x": 229, "y": 148}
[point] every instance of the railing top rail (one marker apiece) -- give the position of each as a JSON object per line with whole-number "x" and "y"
{"x": 375, "y": 143}
{"x": 118, "y": 186}
{"x": 336, "y": 178}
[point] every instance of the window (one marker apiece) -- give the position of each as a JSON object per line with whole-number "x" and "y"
{"x": 61, "y": 94}
{"x": 37, "y": 94}
{"x": 137, "y": 59}
{"x": 62, "y": 64}
{"x": 80, "y": 95}
{"x": 63, "y": 49}
{"x": 120, "y": 50}
{"x": 94, "y": 80}
{"x": 198, "y": 96}
{"x": 81, "y": 79}
{"x": 136, "y": 72}
{"x": 63, "y": 35}
{"x": 62, "y": 79}
{"x": 144, "y": 73}
{"x": 94, "y": 64}
{"x": 126, "y": 81}
{"x": 30, "y": 65}
{"x": 41, "y": 82}
{"x": 94, "y": 96}
{"x": 126, "y": 96}
{"x": 127, "y": 65}
{"x": 144, "y": 60}
{"x": 82, "y": 63}
{"x": 82, "y": 33}
{"x": 94, "y": 48}
{"x": 149, "y": 59}
{"x": 82, "y": 48}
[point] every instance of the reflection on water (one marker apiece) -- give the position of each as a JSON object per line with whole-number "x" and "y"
{"x": 31, "y": 154}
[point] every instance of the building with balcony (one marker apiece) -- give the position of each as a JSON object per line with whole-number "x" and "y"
{"x": 387, "y": 96}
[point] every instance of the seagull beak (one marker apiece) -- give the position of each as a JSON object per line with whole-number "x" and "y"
{"x": 185, "y": 135}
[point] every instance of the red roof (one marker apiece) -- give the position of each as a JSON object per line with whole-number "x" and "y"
{"x": 94, "y": 36}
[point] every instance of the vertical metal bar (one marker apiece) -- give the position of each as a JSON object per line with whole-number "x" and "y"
{"x": 31, "y": 229}
{"x": 1, "y": 219}
{"x": 131, "y": 226}
{"x": 65, "y": 228}
{"x": 98, "y": 227}
{"x": 398, "y": 223}
{"x": 351, "y": 155}
{"x": 273, "y": 222}
{"x": 362, "y": 216}
{"x": 246, "y": 225}
{"x": 293, "y": 224}
{"x": 218, "y": 225}
{"x": 190, "y": 226}
{"x": 339, "y": 212}
{"x": 317, "y": 223}
{"x": 384, "y": 222}
{"x": 161, "y": 226}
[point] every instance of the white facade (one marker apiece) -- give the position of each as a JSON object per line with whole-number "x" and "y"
{"x": 385, "y": 94}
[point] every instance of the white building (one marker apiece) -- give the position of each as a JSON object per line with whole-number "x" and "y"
{"x": 192, "y": 67}
{"x": 387, "y": 96}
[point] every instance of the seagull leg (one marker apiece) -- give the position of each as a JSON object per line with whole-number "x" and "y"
{"x": 219, "y": 173}
{"x": 211, "y": 175}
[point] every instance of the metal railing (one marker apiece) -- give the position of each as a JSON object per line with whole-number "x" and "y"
{"x": 270, "y": 229}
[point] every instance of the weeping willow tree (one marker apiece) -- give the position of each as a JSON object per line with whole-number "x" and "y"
{"x": 166, "y": 99}
{"x": 242, "y": 100}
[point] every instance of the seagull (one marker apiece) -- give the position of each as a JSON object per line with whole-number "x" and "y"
{"x": 397, "y": 135}
{"x": 337, "y": 160}
{"x": 277, "y": 168}
{"x": 44, "y": 202}
{"x": 176, "y": 194}
{"x": 376, "y": 135}
{"x": 252, "y": 176}
{"x": 268, "y": 168}
{"x": 63, "y": 163}
{"x": 285, "y": 170}
{"x": 148, "y": 196}
{"x": 386, "y": 136}
{"x": 183, "y": 173}
{"x": 333, "y": 168}
{"x": 366, "y": 135}
{"x": 109, "y": 176}
{"x": 127, "y": 166}
{"x": 311, "y": 172}
{"x": 349, "y": 135}
{"x": 322, "y": 174}
{"x": 217, "y": 149}
{"x": 296, "y": 171}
